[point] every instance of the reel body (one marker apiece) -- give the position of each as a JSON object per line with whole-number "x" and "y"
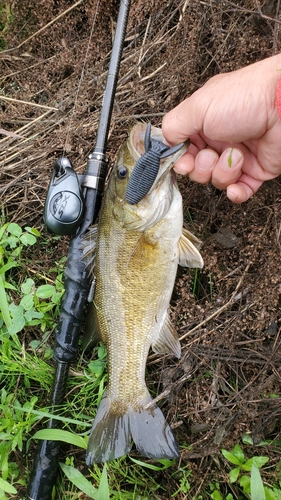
{"x": 64, "y": 206}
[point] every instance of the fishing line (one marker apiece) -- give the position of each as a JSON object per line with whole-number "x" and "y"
{"x": 80, "y": 79}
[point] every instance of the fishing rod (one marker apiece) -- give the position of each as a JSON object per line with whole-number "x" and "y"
{"x": 72, "y": 205}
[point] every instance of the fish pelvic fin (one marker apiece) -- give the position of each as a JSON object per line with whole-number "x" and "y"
{"x": 112, "y": 432}
{"x": 189, "y": 256}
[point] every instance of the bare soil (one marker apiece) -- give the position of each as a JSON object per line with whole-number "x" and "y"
{"x": 227, "y": 383}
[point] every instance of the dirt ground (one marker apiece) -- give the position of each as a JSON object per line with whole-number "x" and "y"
{"x": 227, "y": 383}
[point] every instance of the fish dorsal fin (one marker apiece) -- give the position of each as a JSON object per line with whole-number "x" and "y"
{"x": 189, "y": 256}
{"x": 92, "y": 334}
{"x": 167, "y": 341}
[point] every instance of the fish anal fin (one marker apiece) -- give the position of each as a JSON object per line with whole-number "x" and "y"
{"x": 112, "y": 432}
{"x": 167, "y": 341}
{"x": 189, "y": 256}
{"x": 91, "y": 336}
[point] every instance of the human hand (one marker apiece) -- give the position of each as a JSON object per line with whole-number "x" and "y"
{"x": 234, "y": 129}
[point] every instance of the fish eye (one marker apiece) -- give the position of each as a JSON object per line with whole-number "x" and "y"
{"x": 121, "y": 172}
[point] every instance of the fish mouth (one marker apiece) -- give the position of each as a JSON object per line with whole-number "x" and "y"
{"x": 136, "y": 140}
{"x": 154, "y": 159}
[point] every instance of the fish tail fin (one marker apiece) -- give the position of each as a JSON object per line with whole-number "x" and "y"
{"x": 151, "y": 434}
{"x": 112, "y": 433}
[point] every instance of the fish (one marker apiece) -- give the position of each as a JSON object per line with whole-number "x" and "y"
{"x": 134, "y": 253}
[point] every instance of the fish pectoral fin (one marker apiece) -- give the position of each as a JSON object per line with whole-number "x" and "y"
{"x": 167, "y": 341}
{"x": 189, "y": 256}
{"x": 89, "y": 244}
{"x": 91, "y": 336}
{"x": 112, "y": 432}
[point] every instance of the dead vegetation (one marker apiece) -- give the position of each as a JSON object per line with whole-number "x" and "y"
{"x": 52, "y": 80}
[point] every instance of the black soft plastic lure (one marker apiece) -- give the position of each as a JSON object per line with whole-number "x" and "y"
{"x": 147, "y": 167}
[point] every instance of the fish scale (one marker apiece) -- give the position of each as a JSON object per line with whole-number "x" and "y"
{"x": 137, "y": 250}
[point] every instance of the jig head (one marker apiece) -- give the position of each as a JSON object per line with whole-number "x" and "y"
{"x": 147, "y": 167}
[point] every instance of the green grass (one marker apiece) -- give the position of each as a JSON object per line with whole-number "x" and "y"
{"x": 6, "y": 18}
{"x": 28, "y": 312}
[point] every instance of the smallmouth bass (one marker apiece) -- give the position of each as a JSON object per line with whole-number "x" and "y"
{"x": 137, "y": 250}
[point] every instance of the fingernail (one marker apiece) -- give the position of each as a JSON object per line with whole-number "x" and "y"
{"x": 232, "y": 195}
{"x": 206, "y": 160}
{"x": 231, "y": 157}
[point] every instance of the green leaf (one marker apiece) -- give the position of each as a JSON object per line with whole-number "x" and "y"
{"x": 27, "y": 286}
{"x": 4, "y": 307}
{"x": 32, "y": 314}
{"x": 27, "y": 302}
{"x": 8, "y": 266}
{"x": 34, "y": 344}
{"x": 230, "y": 457}
{"x": 238, "y": 453}
{"x": 18, "y": 321}
{"x": 245, "y": 483}
{"x": 14, "y": 229}
{"x": 45, "y": 291}
{"x": 248, "y": 465}
{"x": 166, "y": 465}
{"x": 260, "y": 461}
{"x": 102, "y": 351}
{"x": 216, "y": 495}
{"x": 80, "y": 481}
{"x": 44, "y": 414}
{"x": 7, "y": 487}
{"x": 277, "y": 493}
{"x": 96, "y": 367}
{"x": 57, "y": 297}
{"x": 28, "y": 239}
{"x": 32, "y": 230}
{"x": 8, "y": 286}
{"x": 2, "y": 230}
{"x": 272, "y": 494}
{"x": 12, "y": 241}
{"x": 233, "y": 475}
{"x": 257, "y": 489}
{"x": 247, "y": 439}
{"x": 257, "y": 461}
{"x": 103, "y": 491}
{"x": 61, "y": 435}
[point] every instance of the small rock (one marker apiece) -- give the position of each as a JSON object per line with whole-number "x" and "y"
{"x": 226, "y": 238}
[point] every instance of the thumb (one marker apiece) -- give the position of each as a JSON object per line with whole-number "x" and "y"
{"x": 184, "y": 120}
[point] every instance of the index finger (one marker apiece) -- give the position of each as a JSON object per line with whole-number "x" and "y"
{"x": 183, "y": 121}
